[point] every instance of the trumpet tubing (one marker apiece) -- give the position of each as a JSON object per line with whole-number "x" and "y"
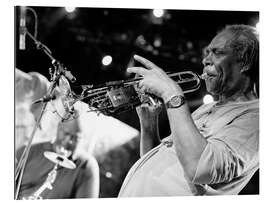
{"x": 187, "y": 78}
{"x": 119, "y": 96}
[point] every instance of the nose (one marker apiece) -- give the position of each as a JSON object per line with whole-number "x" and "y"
{"x": 207, "y": 60}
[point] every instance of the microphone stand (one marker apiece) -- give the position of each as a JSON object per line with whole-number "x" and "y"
{"x": 59, "y": 70}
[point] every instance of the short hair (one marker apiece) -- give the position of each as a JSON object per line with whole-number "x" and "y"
{"x": 245, "y": 44}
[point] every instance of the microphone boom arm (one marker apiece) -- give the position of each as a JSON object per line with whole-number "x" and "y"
{"x": 60, "y": 69}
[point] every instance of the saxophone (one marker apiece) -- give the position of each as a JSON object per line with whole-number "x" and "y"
{"x": 46, "y": 185}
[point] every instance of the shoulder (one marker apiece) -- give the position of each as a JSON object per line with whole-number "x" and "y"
{"x": 92, "y": 164}
{"x": 87, "y": 159}
{"x": 41, "y": 147}
{"x": 88, "y": 163}
{"x": 248, "y": 111}
{"x": 35, "y": 148}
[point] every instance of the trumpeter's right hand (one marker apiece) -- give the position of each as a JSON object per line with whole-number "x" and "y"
{"x": 148, "y": 113}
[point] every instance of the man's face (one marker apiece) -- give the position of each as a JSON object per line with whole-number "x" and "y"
{"x": 67, "y": 137}
{"x": 221, "y": 66}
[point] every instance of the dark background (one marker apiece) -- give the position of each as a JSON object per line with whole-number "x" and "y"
{"x": 80, "y": 39}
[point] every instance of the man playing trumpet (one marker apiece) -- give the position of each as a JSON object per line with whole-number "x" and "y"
{"x": 214, "y": 151}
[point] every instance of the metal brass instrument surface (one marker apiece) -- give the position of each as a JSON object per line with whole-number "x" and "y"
{"x": 46, "y": 185}
{"x": 119, "y": 96}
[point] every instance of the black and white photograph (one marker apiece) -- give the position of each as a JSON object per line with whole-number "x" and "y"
{"x": 131, "y": 102}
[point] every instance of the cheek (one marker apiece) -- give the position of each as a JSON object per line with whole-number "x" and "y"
{"x": 217, "y": 82}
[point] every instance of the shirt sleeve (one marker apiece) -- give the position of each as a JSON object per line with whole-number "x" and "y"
{"x": 87, "y": 183}
{"x": 230, "y": 153}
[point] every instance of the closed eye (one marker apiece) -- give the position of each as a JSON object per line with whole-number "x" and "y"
{"x": 215, "y": 51}
{"x": 218, "y": 51}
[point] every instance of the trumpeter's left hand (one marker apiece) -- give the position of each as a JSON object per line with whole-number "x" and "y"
{"x": 155, "y": 80}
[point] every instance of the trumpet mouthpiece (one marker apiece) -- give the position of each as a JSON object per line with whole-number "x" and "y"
{"x": 204, "y": 76}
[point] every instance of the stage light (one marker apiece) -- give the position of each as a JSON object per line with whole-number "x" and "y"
{"x": 157, "y": 42}
{"x": 158, "y": 13}
{"x": 106, "y": 60}
{"x": 258, "y": 26}
{"x": 189, "y": 45}
{"x": 208, "y": 99}
{"x": 108, "y": 174}
{"x": 70, "y": 9}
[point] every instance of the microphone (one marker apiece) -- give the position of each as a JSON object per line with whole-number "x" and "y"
{"x": 22, "y": 29}
{"x": 45, "y": 99}
{"x": 69, "y": 76}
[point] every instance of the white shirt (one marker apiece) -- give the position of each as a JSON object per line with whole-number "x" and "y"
{"x": 225, "y": 167}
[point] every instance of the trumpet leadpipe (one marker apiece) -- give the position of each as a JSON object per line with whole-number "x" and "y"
{"x": 187, "y": 78}
{"x": 178, "y": 77}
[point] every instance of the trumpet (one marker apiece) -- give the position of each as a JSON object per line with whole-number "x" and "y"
{"x": 115, "y": 97}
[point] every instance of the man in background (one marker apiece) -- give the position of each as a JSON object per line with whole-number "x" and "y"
{"x": 81, "y": 182}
